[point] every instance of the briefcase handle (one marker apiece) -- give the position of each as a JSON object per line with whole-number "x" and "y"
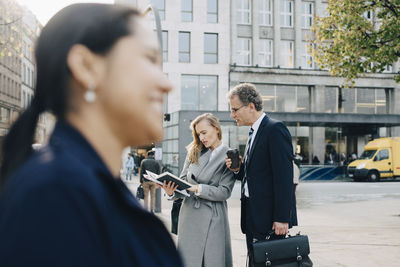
{"x": 270, "y": 234}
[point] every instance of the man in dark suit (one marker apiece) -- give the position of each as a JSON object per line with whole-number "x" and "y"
{"x": 149, "y": 164}
{"x": 266, "y": 171}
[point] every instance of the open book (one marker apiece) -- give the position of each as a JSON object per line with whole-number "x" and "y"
{"x": 167, "y": 176}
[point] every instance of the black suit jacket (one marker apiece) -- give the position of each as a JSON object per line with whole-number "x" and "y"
{"x": 149, "y": 164}
{"x": 270, "y": 180}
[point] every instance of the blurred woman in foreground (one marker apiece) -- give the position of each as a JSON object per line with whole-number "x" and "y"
{"x": 98, "y": 72}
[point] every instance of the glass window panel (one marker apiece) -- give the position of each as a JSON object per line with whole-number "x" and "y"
{"x": 380, "y": 101}
{"x": 187, "y": 10}
{"x": 184, "y": 47}
{"x": 244, "y": 51}
{"x": 187, "y": 5}
{"x": 286, "y": 98}
{"x": 265, "y": 53}
{"x": 286, "y": 10}
{"x": 190, "y": 97}
{"x": 210, "y": 42}
{"x": 268, "y": 96}
{"x": 365, "y": 101}
{"x": 265, "y": 16}
{"x": 210, "y": 58}
{"x": 303, "y": 99}
{"x": 331, "y": 95}
{"x": 307, "y": 10}
{"x": 208, "y": 92}
{"x": 349, "y": 96}
{"x": 307, "y": 61}
{"x": 243, "y": 11}
{"x": 212, "y": 18}
{"x": 212, "y": 11}
{"x": 286, "y": 54}
{"x": 210, "y": 48}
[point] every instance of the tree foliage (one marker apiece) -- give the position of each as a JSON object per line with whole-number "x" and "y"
{"x": 12, "y": 30}
{"x": 357, "y": 37}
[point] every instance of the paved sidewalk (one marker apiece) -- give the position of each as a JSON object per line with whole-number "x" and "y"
{"x": 365, "y": 233}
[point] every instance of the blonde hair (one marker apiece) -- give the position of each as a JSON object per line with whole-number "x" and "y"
{"x": 196, "y": 146}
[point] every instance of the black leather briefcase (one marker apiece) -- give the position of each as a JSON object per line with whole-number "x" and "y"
{"x": 291, "y": 251}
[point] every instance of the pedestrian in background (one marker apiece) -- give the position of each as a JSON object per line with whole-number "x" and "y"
{"x": 98, "y": 72}
{"x": 203, "y": 228}
{"x": 129, "y": 166}
{"x": 149, "y": 188}
{"x": 136, "y": 161}
{"x": 267, "y": 200}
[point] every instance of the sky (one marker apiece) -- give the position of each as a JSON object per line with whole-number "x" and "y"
{"x": 45, "y": 9}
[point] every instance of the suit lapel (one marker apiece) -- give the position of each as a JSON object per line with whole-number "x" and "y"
{"x": 253, "y": 146}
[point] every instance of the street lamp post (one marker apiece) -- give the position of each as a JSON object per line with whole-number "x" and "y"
{"x": 157, "y": 207}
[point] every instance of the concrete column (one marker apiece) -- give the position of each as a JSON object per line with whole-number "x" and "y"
{"x": 277, "y": 31}
{"x": 255, "y": 31}
{"x": 318, "y": 143}
{"x": 298, "y": 34}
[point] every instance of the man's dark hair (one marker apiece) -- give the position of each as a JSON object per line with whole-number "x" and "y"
{"x": 247, "y": 94}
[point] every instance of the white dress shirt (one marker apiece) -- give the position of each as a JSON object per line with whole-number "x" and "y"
{"x": 255, "y": 127}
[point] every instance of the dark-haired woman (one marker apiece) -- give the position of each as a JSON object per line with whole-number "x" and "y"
{"x": 98, "y": 72}
{"x": 203, "y": 233}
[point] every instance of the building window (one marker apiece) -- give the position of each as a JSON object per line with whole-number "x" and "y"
{"x": 265, "y": 16}
{"x": 212, "y": 11}
{"x": 184, "y": 46}
{"x": 364, "y": 101}
{"x": 265, "y": 53}
{"x": 210, "y": 48}
{"x": 307, "y": 61}
{"x": 187, "y": 10}
{"x": 307, "y": 12}
{"x": 160, "y": 5}
{"x": 286, "y": 13}
{"x": 199, "y": 92}
{"x": 286, "y": 54}
{"x": 279, "y": 98}
{"x": 165, "y": 46}
{"x": 243, "y": 11}
{"x": 5, "y": 114}
{"x": 244, "y": 51}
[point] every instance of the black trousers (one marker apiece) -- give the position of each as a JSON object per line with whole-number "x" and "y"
{"x": 250, "y": 236}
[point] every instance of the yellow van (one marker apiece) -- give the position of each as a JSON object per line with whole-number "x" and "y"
{"x": 380, "y": 159}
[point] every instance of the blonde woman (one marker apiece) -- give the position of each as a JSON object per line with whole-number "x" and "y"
{"x": 203, "y": 231}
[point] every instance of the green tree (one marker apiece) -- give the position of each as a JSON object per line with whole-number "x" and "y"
{"x": 357, "y": 37}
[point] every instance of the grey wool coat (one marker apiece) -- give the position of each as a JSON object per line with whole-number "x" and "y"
{"x": 203, "y": 232}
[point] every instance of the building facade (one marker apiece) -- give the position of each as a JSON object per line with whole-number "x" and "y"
{"x": 265, "y": 42}
{"x": 19, "y": 29}
{"x": 10, "y": 65}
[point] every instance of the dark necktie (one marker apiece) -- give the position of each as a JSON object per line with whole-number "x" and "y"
{"x": 246, "y": 161}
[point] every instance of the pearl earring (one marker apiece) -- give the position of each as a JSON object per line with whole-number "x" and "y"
{"x": 90, "y": 94}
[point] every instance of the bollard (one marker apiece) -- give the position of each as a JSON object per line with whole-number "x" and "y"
{"x": 157, "y": 207}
